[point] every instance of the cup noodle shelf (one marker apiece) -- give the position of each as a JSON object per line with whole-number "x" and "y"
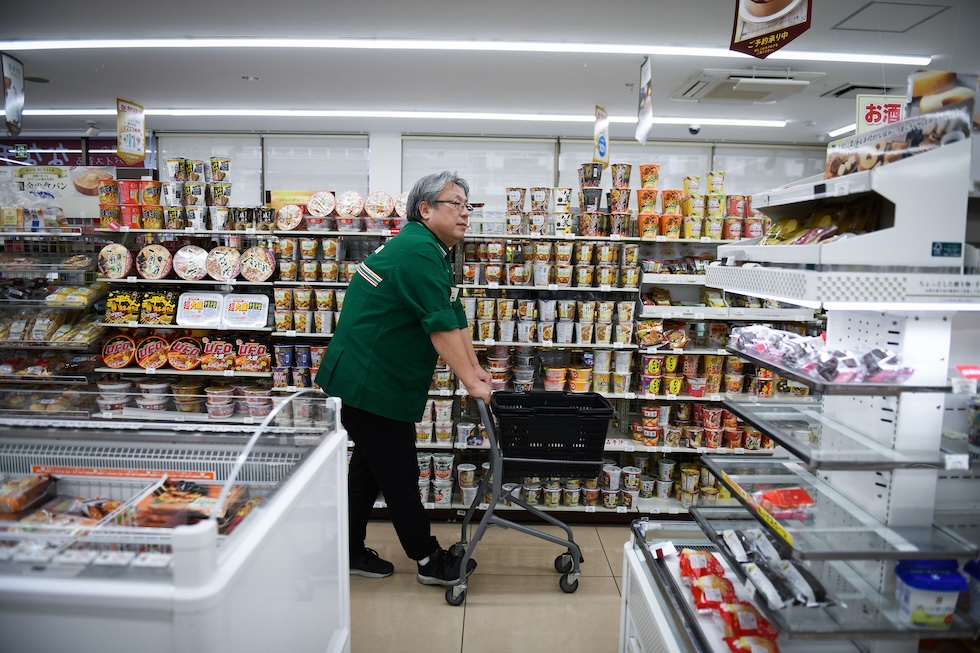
{"x": 881, "y": 489}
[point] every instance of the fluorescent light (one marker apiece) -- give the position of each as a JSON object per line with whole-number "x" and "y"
{"x": 843, "y": 130}
{"x": 430, "y": 115}
{"x": 457, "y": 45}
{"x": 764, "y": 84}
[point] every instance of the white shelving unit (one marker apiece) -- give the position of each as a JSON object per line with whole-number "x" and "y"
{"x": 891, "y": 432}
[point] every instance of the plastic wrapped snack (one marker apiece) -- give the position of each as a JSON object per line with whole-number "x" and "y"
{"x": 809, "y": 591}
{"x": 743, "y": 620}
{"x": 785, "y": 503}
{"x": 695, "y": 564}
{"x": 751, "y": 644}
{"x": 711, "y": 591}
{"x": 770, "y": 584}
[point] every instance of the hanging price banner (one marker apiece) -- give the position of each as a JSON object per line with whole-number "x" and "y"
{"x": 600, "y": 152}
{"x": 130, "y": 131}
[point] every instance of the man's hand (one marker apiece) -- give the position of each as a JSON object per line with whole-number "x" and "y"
{"x": 480, "y": 389}
{"x": 482, "y": 374}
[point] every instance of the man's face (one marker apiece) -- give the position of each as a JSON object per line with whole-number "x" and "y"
{"x": 447, "y": 221}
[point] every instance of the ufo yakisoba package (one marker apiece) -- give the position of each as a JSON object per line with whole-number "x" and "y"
{"x": 252, "y": 355}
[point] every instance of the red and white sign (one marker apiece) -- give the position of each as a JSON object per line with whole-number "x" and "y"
{"x": 874, "y": 111}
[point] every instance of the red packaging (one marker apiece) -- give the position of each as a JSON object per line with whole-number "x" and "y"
{"x": 151, "y": 352}
{"x": 184, "y": 353}
{"x": 695, "y": 564}
{"x": 743, "y": 620}
{"x": 751, "y": 645}
{"x": 711, "y": 591}
{"x": 218, "y": 354}
{"x": 253, "y": 355}
{"x": 118, "y": 351}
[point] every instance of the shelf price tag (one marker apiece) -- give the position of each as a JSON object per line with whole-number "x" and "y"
{"x": 444, "y": 392}
{"x": 552, "y": 286}
{"x": 291, "y": 333}
{"x": 629, "y": 395}
{"x": 605, "y": 288}
{"x": 714, "y": 398}
{"x": 489, "y": 342}
{"x": 957, "y": 461}
{"x": 151, "y": 370}
{"x": 621, "y": 510}
{"x": 661, "y": 239}
{"x": 672, "y": 511}
{"x": 132, "y": 325}
{"x": 130, "y": 279}
{"x": 378, "y": 504}
{"x": 429, "y": 506}
{"x": 615, "y": 236}
{"x": 493, "y": 284}
{"x": 590, "y": 509}
{"x": 629, "y": 448}
{"x": 386, "y": 232}
{"x": 699, "y": 316}
{"x": 483, "y": 506}
{"x": 842, "y": 188}
{"x": 705, "y": 239}
{"x": 617, "y": 345}
{"x": 229, "y": 372}
{"x": 547, "y": 343}
{"x": 179, "y": 418}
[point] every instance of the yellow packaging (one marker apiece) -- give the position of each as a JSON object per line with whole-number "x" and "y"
{"x": 716, "y": 182}
{"x": 692, "y": 185}
{"x": 713, "y": 227}
{"x": 692, "y": 228}
{"x": 714, "y": 206}
{"x": 12, "y": 217}
{"x": 693, "y": 205}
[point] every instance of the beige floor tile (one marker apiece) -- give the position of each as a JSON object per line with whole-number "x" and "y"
{"x": 522, "y": 613}
{"x": 399, "y": 614}
{"x": 613, "y": 538}
{"x": 506, "y": 551}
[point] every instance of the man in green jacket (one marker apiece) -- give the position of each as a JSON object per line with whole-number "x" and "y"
{"x": 401, "y": 311}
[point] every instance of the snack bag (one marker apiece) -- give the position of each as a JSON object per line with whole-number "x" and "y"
{"x": 743, "y": 620}
{"x": 695, "y": 564}
{"x": 751, "y": 645}
{"x": 711, "y": 591}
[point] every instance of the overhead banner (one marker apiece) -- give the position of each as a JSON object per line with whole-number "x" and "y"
{"x": 13, "y": 92}
{"x": 764, "y": 26}
{"x": 644, "y": 114}
{"x": 874, "y": 111}
{"x": 600, "y": 150}
{"x": 130, "y": 131}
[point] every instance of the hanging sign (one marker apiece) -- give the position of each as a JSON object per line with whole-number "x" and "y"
{"x": 131, "y": 131}
{"x": 644, "y": 114}
{"x": 764, "y": 26}
{"x": 600, "y": 150}
{"x": 13, "y": 92}
{"x": 874, "y": 111}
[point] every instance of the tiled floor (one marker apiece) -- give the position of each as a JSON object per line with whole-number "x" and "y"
{"x": 513, "y": 602}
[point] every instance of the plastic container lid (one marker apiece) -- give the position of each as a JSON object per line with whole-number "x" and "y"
{"x": 924, "y": 565}
{"x": 932, "y": 580}
{"x": 973, "y": 568}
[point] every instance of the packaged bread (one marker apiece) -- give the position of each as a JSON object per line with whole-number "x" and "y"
{"x": 17, "y": 492}
{"x": 45, "y": 324}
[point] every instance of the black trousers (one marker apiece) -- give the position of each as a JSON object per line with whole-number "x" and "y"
{"x": 385, "y": 459}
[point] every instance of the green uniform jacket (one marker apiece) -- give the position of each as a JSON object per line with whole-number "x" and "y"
{"x": 380, "y": 358}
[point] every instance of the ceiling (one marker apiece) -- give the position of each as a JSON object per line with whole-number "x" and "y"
{"x": 510, "y": 82}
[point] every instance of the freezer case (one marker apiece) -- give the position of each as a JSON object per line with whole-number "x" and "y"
{"x": 277, "y": 582}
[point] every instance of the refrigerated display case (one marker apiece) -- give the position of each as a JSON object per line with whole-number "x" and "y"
{"x": 276, "y": 580}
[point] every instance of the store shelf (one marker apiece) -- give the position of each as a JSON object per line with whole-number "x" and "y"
{"x": 53, "y": 379}
{"x": 44, "y": 303}
{"x": 963, "y": 525}
{"x": 186, "y": 231}
{"x": 185, "y": 282}
{"x": 549, "y": 344}
{"x": 166, "y": 371}
{"x": 823, "y": 387}
{"x": 661, "y": 349}
{"x": 728, "y": 313}
{"x": 673, "y": 279}
{"x": 297, "y": 334}
{"x": 312, "y": 284}
{"x": 335, "y": 233}
{"x": 612, "y": 238}
{"x": 138, "y": 419}
{"x": 172, "y": 327}
{"x": 831, "y": 289}
{"x": 58, "y": 345}
{"x": 615, "y": 445}
{"x": 862, "y": 611}
{"x": 46, "y": 265}
{"x": 854, "y": 534}
{"x": 61, "y": 233}
{"x": 822, "y": 442}
{"x": 553, "y": 287}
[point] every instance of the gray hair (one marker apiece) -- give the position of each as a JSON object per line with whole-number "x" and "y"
{"x": 427, "y": 190}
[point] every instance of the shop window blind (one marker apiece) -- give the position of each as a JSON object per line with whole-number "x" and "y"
{"x": 489, "y": 165}
{"x": 245, "y": 152}
{"x": 751, "y": 169}
{"x": 334, "y": 163}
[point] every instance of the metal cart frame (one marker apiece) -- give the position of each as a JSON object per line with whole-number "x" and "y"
{"x": 566, "y": 563}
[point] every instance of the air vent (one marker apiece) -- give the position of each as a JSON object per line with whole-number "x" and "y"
{"x": 851, "y": 91}
{"x": 754, "y": 86}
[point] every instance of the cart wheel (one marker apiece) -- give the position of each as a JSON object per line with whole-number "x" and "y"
{"x": 452, "y": 598}
{"x": 563, "y": 563}
{"x": 566, "y": 586}
{"x": 457, "y": 550}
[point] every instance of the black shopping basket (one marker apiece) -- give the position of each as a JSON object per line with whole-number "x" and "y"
{"x": 548, "y": 434}
{"x": 552, "y": 433}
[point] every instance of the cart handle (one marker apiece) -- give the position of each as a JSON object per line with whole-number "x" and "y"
{"x": 484, "y": 414}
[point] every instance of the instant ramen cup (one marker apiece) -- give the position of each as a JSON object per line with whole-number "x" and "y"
{"x": 621, "y": 175}
{"x": 649, "y": 175}
{"x": 515, "y": 199}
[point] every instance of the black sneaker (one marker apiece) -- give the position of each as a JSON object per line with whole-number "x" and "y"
{"x": 369, "y": 564}
{"x": 443, "y": 569}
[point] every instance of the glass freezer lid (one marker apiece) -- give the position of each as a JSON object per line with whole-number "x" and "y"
{"x": 824, "y": 442}
{"x": 818, "y": 522}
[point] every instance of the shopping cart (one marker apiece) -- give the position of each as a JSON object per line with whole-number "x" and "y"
{"x": 546, "y": 434}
